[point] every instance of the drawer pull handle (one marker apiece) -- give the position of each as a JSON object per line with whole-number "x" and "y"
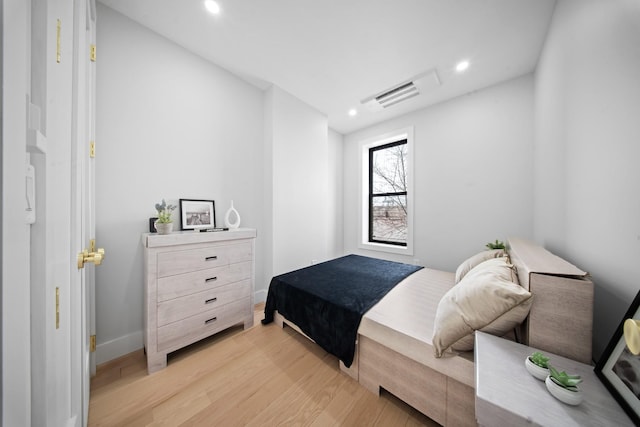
{"x": 211, "y": 279}
{"x": 212, "y": 300}
{"x": 211, "y": 258}
{"x": 206, "y": 322}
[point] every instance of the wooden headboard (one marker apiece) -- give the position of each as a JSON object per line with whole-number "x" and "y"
{"x": 561, "y": 317}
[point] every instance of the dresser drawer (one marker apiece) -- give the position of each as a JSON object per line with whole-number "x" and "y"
{"x": 188, "y": 283}
{"x": 177, "y": 262}
{"x": 180, "y": 308}
{"x": 184, "y": 332}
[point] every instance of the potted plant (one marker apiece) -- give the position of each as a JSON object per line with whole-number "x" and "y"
{"x": 564, "y": 387}
{"x": 496, "y": 245}
{"x": 164, "y": 223}
{"x": 538, "y": 365}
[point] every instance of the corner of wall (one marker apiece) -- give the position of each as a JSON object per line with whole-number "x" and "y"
{"x": 267, "y": 183}
{"x": 586, "y": 103}
{"x": 300, "y": 193}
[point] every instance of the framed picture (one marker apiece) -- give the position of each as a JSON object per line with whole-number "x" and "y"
{"x": 619, "y": 369}
{"x": 196, "y": 214}
{"x": 152, "y": 226}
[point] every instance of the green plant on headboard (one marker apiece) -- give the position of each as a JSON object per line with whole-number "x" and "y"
{"x": 496, "y": 245}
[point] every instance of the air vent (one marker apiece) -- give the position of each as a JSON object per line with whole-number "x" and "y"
{"x": 399, "y": 94}
{"x": 403, "y": 91}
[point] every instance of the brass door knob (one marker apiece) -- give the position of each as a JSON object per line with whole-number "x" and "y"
{"x": 94, "y": 257}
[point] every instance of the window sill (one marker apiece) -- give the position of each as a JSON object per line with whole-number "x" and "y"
{"x": 381, "y": 247}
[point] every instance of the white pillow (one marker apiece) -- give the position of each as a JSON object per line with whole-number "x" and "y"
{"x": 478, "y": 258}
{"x": 499, "y": 327}
{"x": 485, "y": 299}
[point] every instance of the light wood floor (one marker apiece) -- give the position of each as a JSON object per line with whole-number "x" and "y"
{"x": 264, "y": 376}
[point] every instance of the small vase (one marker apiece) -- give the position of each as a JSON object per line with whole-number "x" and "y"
{"x": 562, "y": 394}
{"x": 163, "y": 228}
{"x": 535, "y": 370}
{"x": 227, "y": 217}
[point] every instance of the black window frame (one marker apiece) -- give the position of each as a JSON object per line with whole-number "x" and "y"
{"x": 372, "y": 150}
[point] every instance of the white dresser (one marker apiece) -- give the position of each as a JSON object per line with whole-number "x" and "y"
{"x": 196, "y": 284}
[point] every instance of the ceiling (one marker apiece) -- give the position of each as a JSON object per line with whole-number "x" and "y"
{"x": 332, "y": 54}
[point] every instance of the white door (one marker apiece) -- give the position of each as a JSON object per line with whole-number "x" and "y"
{"x": 61, "y": 306}
{"x": 83, "y": 218}
{"x": 55, "y": 365}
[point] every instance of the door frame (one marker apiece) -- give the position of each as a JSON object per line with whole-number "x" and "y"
{"x": 16, "y": 312}
{"x": 20, "y": 365}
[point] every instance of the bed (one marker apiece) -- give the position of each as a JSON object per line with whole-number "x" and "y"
{"x": 327, "y": 301}
{"x": 398, "y": 344}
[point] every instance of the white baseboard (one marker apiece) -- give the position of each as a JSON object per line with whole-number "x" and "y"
{"x": 124, "y": 345}
{"x": 119, "y": 347}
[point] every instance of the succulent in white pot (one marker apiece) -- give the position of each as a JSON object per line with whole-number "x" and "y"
{"x": 564, "y": 387}
{"x": 538, "y": 365}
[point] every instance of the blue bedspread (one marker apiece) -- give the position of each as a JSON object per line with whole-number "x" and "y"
{"x": 327, "y": 301}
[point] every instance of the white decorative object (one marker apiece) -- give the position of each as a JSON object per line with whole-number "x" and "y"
{"x": 535, "y": 370}
{"x": 562, "y": 394}
{"x": 227, "y": 217}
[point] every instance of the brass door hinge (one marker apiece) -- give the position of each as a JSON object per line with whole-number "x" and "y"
{"x": 92, "y": 53}
{"x": 58, "y": 31}
{"x": 92, "y": 245}
{"x": 92, "y": 149}
{"x": 92, "y": 344}
{"x": 57, "y": 308}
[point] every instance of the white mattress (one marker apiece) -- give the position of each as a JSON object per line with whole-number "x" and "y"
{"x": 403, "y": 321}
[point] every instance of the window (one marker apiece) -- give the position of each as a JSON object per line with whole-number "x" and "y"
{"x": 386, "y": 193}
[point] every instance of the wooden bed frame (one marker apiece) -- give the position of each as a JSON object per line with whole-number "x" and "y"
{"x": 443, "y": 389}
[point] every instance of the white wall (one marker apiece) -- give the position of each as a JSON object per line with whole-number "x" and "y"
{"x": 299, "y": 148}
{"x": 473, "y": 174}
{"x": 587, "y": 180}
{"x": 169, "y": 125}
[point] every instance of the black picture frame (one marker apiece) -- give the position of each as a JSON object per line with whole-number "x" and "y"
{"x": 196, "y": 214}
{"x": 152, "y": 224}
{"x": 617, "y": 363}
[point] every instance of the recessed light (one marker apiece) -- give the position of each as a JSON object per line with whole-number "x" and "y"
{"x": 462, "y": 66}
{"x": 212, "y": 6}
{"x": 353, "y": 112}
